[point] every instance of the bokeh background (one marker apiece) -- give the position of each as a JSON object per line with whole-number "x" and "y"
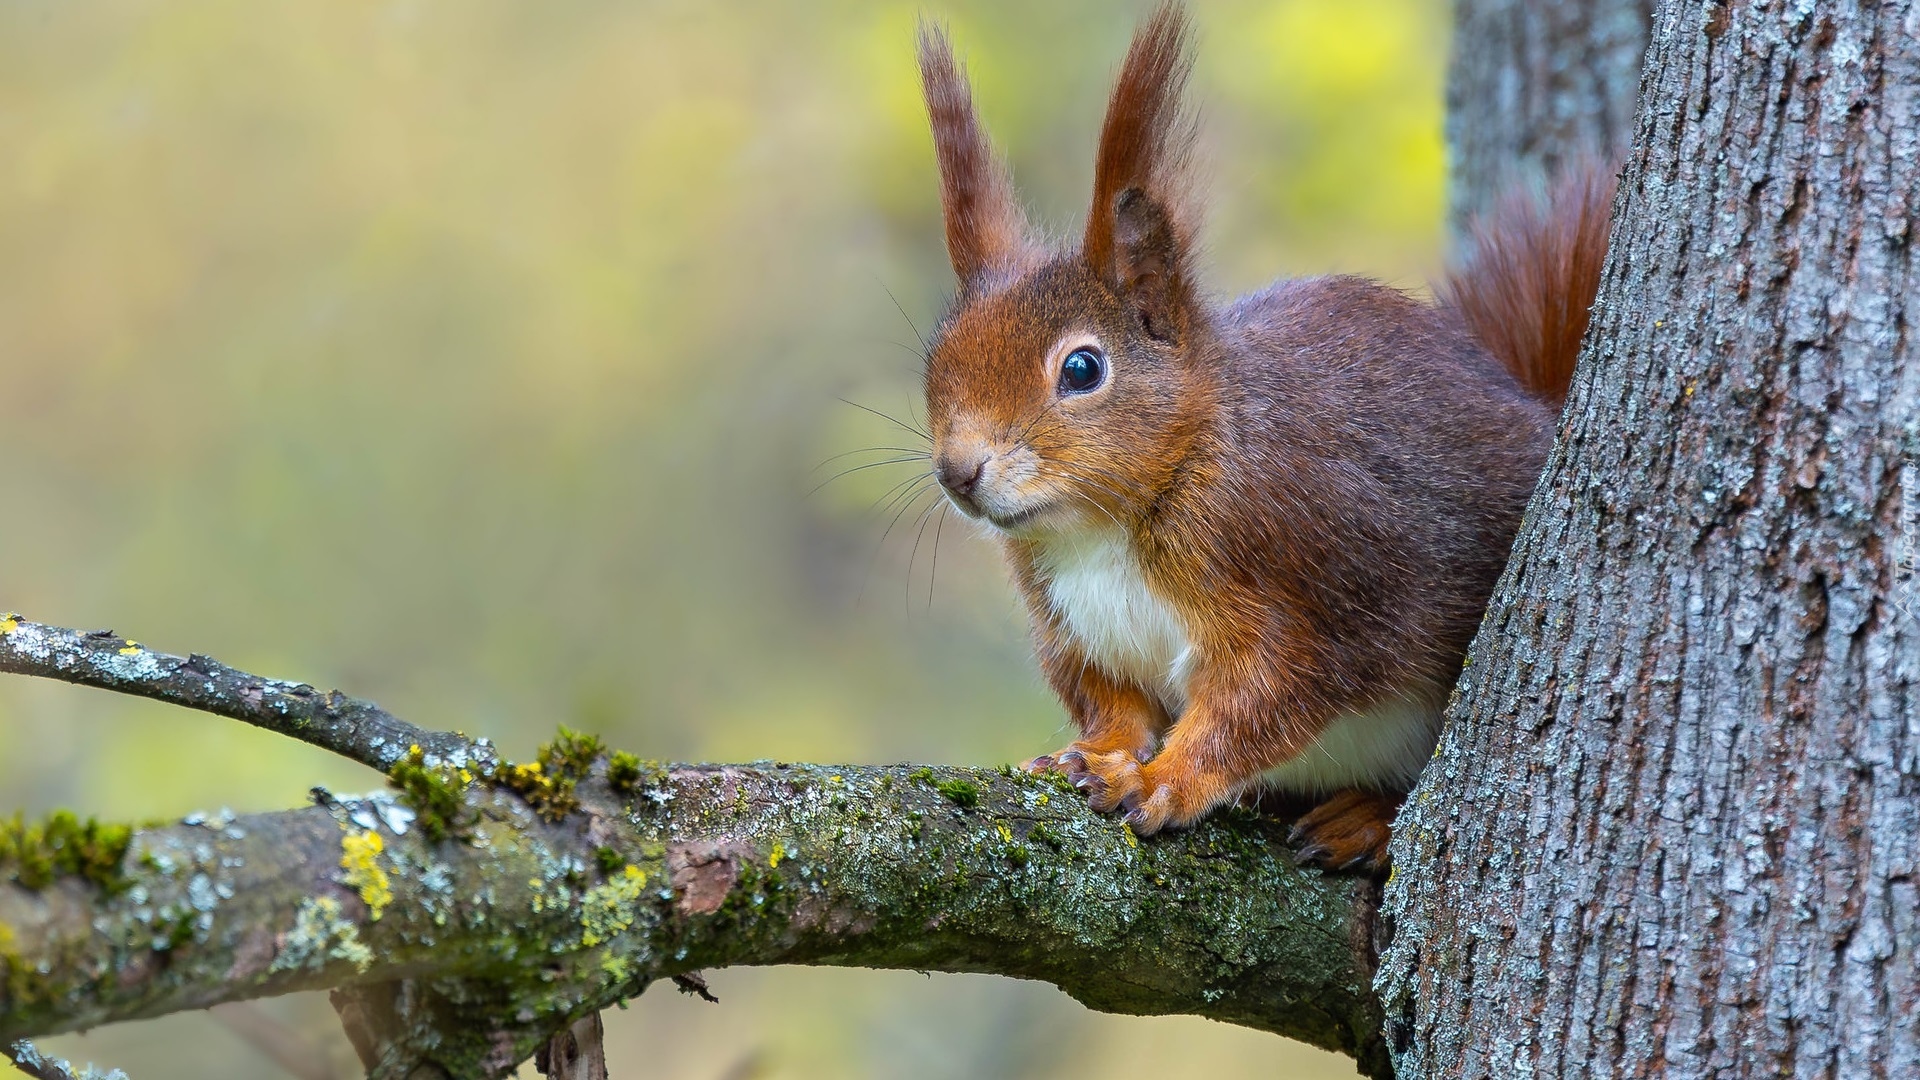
{"x": 479, "y": 357}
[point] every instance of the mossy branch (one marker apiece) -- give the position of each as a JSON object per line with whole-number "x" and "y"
{"x": 531, "y": 897}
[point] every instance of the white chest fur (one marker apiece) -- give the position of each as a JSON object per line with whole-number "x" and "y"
{"x": 1097, "y": 589}
{"x": 1127, "y": 630}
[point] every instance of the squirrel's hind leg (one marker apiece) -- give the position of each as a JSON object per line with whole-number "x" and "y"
{"x": 1349, "y": 831}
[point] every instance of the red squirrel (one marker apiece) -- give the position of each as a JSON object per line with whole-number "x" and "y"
{"x": 1255, "y": 538}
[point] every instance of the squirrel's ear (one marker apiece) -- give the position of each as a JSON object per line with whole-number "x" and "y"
{"x": 1140, "y": 227}
{"x": 985, "y": 229}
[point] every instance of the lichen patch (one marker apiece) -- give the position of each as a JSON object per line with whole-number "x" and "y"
{"x": 609, "y": 909}
{"x": 360, "y": 858}
{"x": 320, "y": 934}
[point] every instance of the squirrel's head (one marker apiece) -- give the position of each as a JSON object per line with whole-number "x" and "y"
{"x": 1060, "y": 385}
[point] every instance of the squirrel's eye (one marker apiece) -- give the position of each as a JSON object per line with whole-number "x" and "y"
{"x": 1082, "y": 371}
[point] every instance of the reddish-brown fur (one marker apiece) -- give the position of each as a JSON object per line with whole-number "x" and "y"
{"x": 1321, "y": 479}
{"x": 1527, "y": 288}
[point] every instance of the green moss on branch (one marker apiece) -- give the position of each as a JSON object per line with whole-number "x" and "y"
{"x": 34, "y": 853}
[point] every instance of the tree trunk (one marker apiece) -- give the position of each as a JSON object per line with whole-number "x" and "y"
{"x": 1673, "y": 824}
{"x": 1533, "y": 82}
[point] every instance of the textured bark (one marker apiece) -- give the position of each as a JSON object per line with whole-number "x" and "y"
{"x": 1673, "y": 824}
{"x": 352, "y": 728}
{"x": 461, "y": 957}
{"x": 1534, "y": 82}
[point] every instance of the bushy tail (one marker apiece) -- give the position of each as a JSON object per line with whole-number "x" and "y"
{"x": 1531, "y": 273}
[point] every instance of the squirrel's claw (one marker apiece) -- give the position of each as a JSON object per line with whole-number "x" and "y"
{"x": 1148, "y": 814}
{"x": 1311, "y": 855}
{"x": 1346, "y": 832}
{"x": 1112, "y": 779}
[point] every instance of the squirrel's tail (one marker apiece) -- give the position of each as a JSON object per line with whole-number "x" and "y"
{"x": 1532, "y": 270}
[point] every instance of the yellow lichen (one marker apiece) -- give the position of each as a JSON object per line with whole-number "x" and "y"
{"x": 132, "y": 648}
{"x": 609, "y": 909}
{"x": 779, "y": 852}
{"x": 9, "y": 624}
{"x": 359, "y": 857}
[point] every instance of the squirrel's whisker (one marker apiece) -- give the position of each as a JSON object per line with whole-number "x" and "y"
{"x": 889, "y": 419}
{"x": 910, "y": 324}
{"x": 933, "y": 575}
{"x": 904, "y": 505}
{"x": 909, "y": 488}
{"x": 919, "y": 534}
{"x": 921, "y": 454}
{"x": 861, "y": 468}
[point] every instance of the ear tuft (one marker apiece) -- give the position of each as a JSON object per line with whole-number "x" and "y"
{"x": 1141, "y": 226}
{"x": 986, "y": 232}
{"x": 1146, "y": 142}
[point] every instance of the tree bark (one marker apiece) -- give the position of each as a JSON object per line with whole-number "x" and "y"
{"x": 1673, "y": 824}
{"x": 1534, "y": 83}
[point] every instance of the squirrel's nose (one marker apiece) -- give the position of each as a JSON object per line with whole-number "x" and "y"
{"x": 961, "y": 474}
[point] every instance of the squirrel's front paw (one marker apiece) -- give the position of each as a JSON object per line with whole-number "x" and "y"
{"x": 1043, "y": 764}
{"x": 1108, "y": 777}
{"x": 1159, "y": 802}
{"x": 1168, "y": 794}
{"x": 1071, "y": 761}
{"x": 1119, "y": 781}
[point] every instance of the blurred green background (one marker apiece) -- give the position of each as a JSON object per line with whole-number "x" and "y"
{"x": 479, "y": 357}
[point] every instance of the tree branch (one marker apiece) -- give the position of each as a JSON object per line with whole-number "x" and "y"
{"x": 465, "y": 954}
{"x": 354, "y": 729}
{"x": 26, "y": 1058}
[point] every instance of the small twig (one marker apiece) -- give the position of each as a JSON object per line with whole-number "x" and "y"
{"x": 694, "y": 984}
{"x": 355, "y": 729}
{"x": 31, "y": 1061}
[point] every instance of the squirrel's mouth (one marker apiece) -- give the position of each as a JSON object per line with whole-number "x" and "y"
{"x": 1004, "y": 520}
{"x": 1042, "y": 514}
{"x": 974, "y": 506}
{"x": 1016, "y": 519}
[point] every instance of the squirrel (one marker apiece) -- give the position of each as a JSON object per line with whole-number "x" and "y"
{"x": 1254, "y": 539}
